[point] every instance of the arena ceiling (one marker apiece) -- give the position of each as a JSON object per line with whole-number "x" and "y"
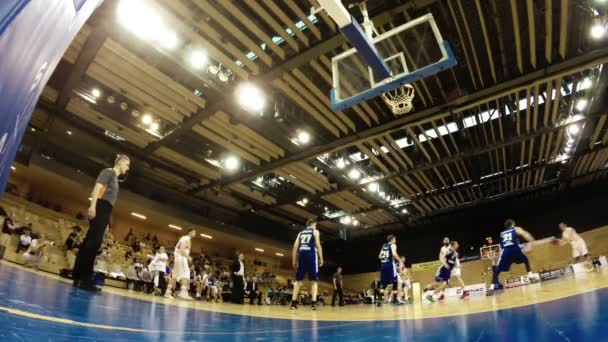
{"x": 525, "y": 109}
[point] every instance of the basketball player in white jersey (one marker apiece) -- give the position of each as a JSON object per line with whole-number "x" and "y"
{"x": 579, "y": 247}
{"x": 404, "y": 280}
{"x": 181, "y": 270}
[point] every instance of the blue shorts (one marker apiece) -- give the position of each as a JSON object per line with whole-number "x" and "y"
{"x": 388, "y": 275}
{"x": 307, "y": 264}
{"x": 509, "y": 256}
{"x": 443, "y": 274}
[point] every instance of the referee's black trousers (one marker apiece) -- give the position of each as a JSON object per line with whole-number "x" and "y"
{"x": 85, "y": 259}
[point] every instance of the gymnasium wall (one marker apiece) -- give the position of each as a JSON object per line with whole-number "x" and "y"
{"x": 544, "y": 256}
{"x": 34, "y": 34}
{"x": 583, "y": 207}
{"x": 52, "y": 182}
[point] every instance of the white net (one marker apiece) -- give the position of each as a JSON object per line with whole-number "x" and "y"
{"x": 400, "y": 99}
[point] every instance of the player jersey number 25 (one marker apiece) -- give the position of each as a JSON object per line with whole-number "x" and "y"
{"x": 385, "y": 255}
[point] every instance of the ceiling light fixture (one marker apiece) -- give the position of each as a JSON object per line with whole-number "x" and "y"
{"x": 373, "y": 187}
{"x": 259, "y": 250}
{"x": 139, "y": 216}
{"x": 581, "y": 105}
{"x": 146, "y": 119}
{"x": 354, "y": 174}
{"x": 96, "y": 93}
{"x": 169, "y": 40}
{"x": 574, "y": 129}
{"x": 250, "y": 97}
{"x": 175, "y": 227}
{"x": 231, "y": 163}
{"x": 198, "y": 59}
{"x": 598, "y": 30}
{"x": 304, "y": 137}
{"x": 279, "y": 254}
{"x": 207, "y": 236}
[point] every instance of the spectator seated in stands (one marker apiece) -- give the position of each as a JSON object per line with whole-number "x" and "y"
{"x": 252, "y": 290}
{"x": 36, "y": 251}
{"x": 201, "y": 284}
{"x": 136, "y": 246}
{"x": 158, "y": 265}
{"x": 133, "y": 281}
{"x": 213, "y": 292}
{"x": 8, "y": 228}
{"x": 101, "y": 261}
{"x": 128, "y": 255}
{"x": 72, "y": 240}
{"x": 24, "y": 240}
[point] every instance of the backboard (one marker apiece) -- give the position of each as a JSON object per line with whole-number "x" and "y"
{"x": 411, "y": 51}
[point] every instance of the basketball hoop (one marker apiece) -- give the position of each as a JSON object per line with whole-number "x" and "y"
{"x": 400, "y": 99}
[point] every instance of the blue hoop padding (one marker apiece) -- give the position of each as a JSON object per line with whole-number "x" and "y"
{"x": 359, "y": 40}
{"x": 429, "y": 70}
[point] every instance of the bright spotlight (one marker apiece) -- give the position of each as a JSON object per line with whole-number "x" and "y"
{"x": 372, "y": 187}
{"x": 96, "y": 93}
{"x": 341, "y": 163}
{"x": 198, "y": 59}
{"x": 304, "y": 137}
{"x": 168, "y": 40}
{"x": 346, "y": 220}
{"x": 154, "y": 126}
{"x": 404, "y": 211}
{"x": 574, "y": 129}
{"x": 354, "y": 174}
{"x": 231, "y": 163}
{"x": 597, "y": 31}
{"x": 250, "y": 97}
{"x": 581, "y": 104}
{"x": 305, "y": 200}
{"x": 137, "y": 17}
{"x": 567, "y": 149}
{"x": 355, "y": 222}
{"x": 146, "y": 119}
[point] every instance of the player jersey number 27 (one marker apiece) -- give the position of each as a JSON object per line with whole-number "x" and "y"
{"x": 307, "y": 241}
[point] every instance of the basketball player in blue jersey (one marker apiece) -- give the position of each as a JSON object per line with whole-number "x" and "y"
{"x": 510, "y": 252}
{"x": 449, "y": 260}
{"x": 307, "y": 257}
{"x": 389, "y": 259}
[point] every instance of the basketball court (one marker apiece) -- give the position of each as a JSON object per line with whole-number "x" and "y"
{"x": 250, "y": 124}
{"x": 41, "y": 307}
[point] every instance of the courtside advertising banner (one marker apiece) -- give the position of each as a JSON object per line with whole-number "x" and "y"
{"x": 34, "y": 34}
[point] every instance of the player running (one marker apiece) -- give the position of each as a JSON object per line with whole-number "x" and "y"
{"x": 510, "y": 252}
{"x": 448, "y": 260}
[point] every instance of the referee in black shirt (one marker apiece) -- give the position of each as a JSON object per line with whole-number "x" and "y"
{"x": 338, "y": 289}
{"x": 103, "y": 199}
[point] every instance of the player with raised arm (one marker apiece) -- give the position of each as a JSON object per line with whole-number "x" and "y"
{"x": 307, "y": 257}
{"x": 388, "y": 267}
{"x": 579, "y": 246}
{"x": 510, "y": 252}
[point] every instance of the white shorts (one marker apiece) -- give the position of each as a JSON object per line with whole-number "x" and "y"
{"x": 456, "y": 272}
{"x": 579, "y": 249}
{"x": 180, "y": 267}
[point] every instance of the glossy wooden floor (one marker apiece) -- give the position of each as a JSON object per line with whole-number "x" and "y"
{"x": 43, "y": 307}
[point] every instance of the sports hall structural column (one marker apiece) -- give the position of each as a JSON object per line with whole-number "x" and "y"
{"x": 34, "y": 35}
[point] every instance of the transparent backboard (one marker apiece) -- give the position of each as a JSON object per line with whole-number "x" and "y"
{"x": 412, "y": 51}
